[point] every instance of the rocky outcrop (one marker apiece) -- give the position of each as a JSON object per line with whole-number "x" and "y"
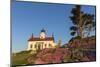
{"x": 87, "y": 43}
{"x": 85, "y": 46}
{"x": 51, "y": 55}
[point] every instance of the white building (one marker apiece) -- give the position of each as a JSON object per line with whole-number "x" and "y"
{"x": 41, "y": 42}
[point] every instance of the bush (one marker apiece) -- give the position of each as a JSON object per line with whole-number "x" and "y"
{"x": 74, "y": 38}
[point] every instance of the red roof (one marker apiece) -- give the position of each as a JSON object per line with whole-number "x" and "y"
{"x": 39, "y": 39}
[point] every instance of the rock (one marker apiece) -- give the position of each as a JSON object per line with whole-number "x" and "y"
{"x": 56, "y": 55}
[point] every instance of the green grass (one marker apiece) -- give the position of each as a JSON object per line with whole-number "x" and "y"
{"x": 21, "y": 58}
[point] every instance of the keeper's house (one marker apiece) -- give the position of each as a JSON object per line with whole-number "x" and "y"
{"x": 41, "y": 42}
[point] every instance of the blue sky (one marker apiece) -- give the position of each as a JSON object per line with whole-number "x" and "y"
{"x": 30, "y": 17}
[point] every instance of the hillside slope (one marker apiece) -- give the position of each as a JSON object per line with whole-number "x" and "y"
{"x": 83, "y": 50}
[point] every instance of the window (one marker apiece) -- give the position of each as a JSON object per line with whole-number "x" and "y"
{"x": 49, "y": 45}
{"x": 31, "y": 46}
{"x": 35, "y": 46}
{"x": 39, "y": 46}
{"x": 45, "y": 45}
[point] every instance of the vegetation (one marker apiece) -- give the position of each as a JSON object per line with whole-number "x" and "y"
{"x": 59, "y": 44}
{"x": 21, "y": 58}
{"x": 85, "y": 51}
{"x": 82, "y": 45}
{"x": 83, "y": 23}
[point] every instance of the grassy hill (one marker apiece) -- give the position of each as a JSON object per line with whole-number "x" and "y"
{"x": 20, "y": 58}
{"x": 46, "y": 56}
{"x": 83, "y": 50}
